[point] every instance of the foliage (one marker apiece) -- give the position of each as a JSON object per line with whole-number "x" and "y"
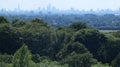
{"x": 76, "y": 55}
{"x": 46, "y": 63}
{"x": 100, "y": 65}
{"x": 79, "y": 60}
{"x": 2, "y": 64}
{"x": 110, "y": 50}
{"x": 72, "y": 47}
{"x": 22, "y": 57}
{"x": 9, "y": 39}
{"x": 77, "y": 26}
{"x": 116, "y": 61}
{"x": 39, "y": 38}
{"x": 37, "y": 58}
{"x": 91, "y": 38}
{"x": 104, "y": 21}
{"x": 75, "y": 46}
{"x": 3, "y": 19}
{"x": 40, "y": 21}
{"x": 6, "y": 58}
{"x": 116, "y": 34}
{"x": 17, "y": 23}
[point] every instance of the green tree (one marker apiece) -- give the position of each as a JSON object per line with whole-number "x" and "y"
{"x": 49, "y": 63}
{"x": 40, "y": 21}
{"x": 76, "y": 55}
{"x": 116, "y": 61}
{"x": 18, "y": 23}
{"x": 116, "y": 34}
{"x": 6, "y": 58}
{"x": 110, "y": 50}
{"x": 77, "y": 26}
{"x": 22, "y": 57}
{"x": 71, "y": 47}
{"x": 79, "y": 60}
{"x": 91, "y": 38}
{"x": 3, "y": 20}
{"x": 101, "y": 65}
{"x": 9, "y": 39}
{"x": 38, "y": 38}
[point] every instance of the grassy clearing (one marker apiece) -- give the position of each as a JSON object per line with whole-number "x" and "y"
{"x": 107, "y": 31}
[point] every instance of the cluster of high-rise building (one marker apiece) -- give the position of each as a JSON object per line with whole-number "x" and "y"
{"x": 52, "y": 9}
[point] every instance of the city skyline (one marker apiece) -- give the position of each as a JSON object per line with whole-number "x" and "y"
{"x": 60, "y": 4}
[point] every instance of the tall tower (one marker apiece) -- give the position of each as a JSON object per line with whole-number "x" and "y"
{"x": 18, "y": 7}
{"x": 49, "y": 7}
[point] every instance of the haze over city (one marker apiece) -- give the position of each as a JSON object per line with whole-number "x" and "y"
{"x": 60, "y": 4}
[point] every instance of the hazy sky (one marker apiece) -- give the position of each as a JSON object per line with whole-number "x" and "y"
{"x": 61, "y": 4}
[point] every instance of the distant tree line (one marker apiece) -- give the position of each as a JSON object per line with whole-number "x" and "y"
{"x": 102, "y": 22}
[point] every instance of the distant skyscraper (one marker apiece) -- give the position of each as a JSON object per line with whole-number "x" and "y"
{"x": 51, "y": 8}
{"x": 18, "y": 6}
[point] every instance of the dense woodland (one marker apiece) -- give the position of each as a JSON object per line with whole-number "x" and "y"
{"x": 104, "y": 21}
{"x": 35, "y": 43}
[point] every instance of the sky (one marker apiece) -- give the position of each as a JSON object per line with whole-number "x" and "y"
{"x": 60, "y": 4}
